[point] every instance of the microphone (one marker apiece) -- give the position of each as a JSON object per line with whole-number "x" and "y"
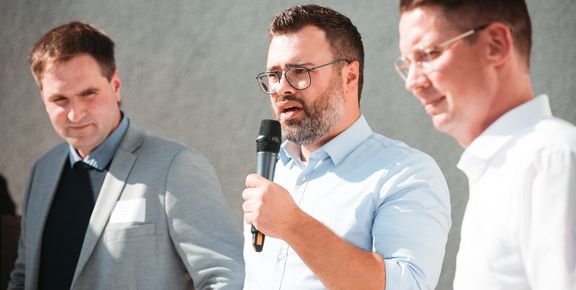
{"x": 267, "y": 148}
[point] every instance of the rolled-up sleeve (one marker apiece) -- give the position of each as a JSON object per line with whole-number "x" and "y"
{"x": 411, "y": 224}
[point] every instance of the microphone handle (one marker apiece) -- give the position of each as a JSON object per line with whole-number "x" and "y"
{"x": 266, "y": 164}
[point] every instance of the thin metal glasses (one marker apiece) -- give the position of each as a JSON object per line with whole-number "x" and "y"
{"x": 298, "y": 77}
{"x": 423, "y": 57}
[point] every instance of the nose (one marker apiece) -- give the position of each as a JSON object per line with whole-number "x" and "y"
{"x": 416, "y": 78}
{"x": 283, "y": 87}
{"x": 76, "y": 111}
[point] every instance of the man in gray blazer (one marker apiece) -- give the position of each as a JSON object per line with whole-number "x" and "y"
{"x": 114, "y": 207}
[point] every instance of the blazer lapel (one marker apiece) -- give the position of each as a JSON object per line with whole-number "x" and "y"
{"x": 110, "y": 192}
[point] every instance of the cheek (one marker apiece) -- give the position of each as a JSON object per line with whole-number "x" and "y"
{"x": 55, "y": 113}
{"x": 454, "y": 81}
{"x": 102, "y": 105}
{"x": 273, "y": 104}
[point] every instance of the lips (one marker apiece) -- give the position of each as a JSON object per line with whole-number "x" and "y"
{"x": 434, "y": 106}
{"x": 79, "y": 126}
{"x": 289, "y": 109}
{"x": 77, "y": 129}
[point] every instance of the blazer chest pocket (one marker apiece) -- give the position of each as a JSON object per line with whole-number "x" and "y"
{"x": 128, "y": 231}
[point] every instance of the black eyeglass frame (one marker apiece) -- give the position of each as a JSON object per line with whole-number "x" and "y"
{"x": 279, "y": 75}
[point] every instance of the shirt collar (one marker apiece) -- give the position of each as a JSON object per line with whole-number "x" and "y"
{"x": 503, "y": 130}
{"x": 337, "y": 149}
{"x": 101, "y": 156}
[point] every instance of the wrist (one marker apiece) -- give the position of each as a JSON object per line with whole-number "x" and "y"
{"x": 297, "y": 225}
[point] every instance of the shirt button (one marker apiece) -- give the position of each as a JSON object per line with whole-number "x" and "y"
{"x": 303, "y": 179}
{"x": 281, "y": 257}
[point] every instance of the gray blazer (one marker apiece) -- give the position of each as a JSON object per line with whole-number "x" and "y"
{"x": 187, "y": 230}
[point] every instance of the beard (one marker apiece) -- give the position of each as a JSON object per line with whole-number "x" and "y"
{"x": 321, "y": 116}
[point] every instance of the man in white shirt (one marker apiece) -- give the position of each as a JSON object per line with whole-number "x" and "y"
{"x": 468, "y": 64}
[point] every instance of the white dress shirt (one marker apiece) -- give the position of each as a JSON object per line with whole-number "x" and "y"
{"x": 519, "y": 229}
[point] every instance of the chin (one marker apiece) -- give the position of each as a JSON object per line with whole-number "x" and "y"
{"x": 442, "y": 124}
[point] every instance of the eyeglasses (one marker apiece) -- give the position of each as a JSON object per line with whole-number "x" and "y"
{"x": 298, "y": 77}
{"x": 423, "y": 57}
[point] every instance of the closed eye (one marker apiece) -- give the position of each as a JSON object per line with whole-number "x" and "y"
{"x": 433, "y": 54}
{"x": 57, "y": 99}
{"x": 88, "y": 92}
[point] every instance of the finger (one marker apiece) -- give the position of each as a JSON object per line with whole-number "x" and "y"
{"x": 249, "y": 193}
{"x": 246, "y": 194}
{"x": 251, "y": 205}
{"x": 255, "y": 180}
{"x": 249, "y": 218}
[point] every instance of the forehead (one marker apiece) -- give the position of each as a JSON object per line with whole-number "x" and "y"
{"x": 308, "y": 45}
{"x": 68, "y": 74}
{"x": 422, "y": 27}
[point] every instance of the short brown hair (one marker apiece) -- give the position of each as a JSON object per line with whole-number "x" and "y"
{"x": 467, "y": 14}
{"x": 344, "y": 39}
{"x": 69, "y": 40}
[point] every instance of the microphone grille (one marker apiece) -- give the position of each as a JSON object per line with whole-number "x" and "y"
{"x": 269, "y": 136}
{"x": 270, "y": 127}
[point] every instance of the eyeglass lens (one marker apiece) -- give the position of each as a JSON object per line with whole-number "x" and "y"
{"x": 297, "y": 77}
{"x": 420, "y": 57}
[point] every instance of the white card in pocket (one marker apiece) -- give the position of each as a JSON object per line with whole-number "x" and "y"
{"x": 129, "y": 211}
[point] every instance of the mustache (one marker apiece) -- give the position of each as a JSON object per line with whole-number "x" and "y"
{"x": 294, "y": 99}
{"x": 290, "y": 98}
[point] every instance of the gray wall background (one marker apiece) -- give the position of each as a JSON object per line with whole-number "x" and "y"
{"x": 188, "y": 69}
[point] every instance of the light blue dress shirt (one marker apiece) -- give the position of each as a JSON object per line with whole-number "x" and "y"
{"x": 101, "y": 156}
{"x": 376, "y": 193}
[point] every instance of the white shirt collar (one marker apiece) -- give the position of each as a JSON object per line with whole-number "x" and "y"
{"x": 337, "y": 149}
{"x": 485, "y": 146}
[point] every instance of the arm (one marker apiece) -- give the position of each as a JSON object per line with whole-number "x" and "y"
{"x": 201, "y": 225}
{"x": 549, "y": 242}
{"x": 411, "y": 226}
{"x": 271, "y": 209}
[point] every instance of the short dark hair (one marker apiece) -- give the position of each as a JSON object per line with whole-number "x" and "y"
{"x": 69, "y": 40}
{"x": 470, "y": 13}
{"x": 344, "y": 39}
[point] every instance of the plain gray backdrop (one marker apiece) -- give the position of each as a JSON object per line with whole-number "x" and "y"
{"x": 188, "y": 70}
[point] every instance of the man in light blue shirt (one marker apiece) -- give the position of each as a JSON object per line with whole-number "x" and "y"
{"x": 348, "y": 208}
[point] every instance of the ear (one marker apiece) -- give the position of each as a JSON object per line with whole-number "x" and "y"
{"x": 42, "y": 97}
{"x": 351, "y": 75}
{"x": 116, "y": 85}
{"x": 500, "y": 45}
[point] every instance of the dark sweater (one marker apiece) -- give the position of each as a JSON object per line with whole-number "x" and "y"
{"x": 66, "y": 224}
{"x": 6, "y": 204}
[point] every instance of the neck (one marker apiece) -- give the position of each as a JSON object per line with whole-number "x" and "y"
{"x": 515, "y": 90}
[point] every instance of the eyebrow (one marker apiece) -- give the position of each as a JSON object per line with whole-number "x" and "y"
{"x": 55, "y": 97}
{"x": 88, "y": 91}
{"x": 82, "y": 93}
{"x": 277, "y": 68}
